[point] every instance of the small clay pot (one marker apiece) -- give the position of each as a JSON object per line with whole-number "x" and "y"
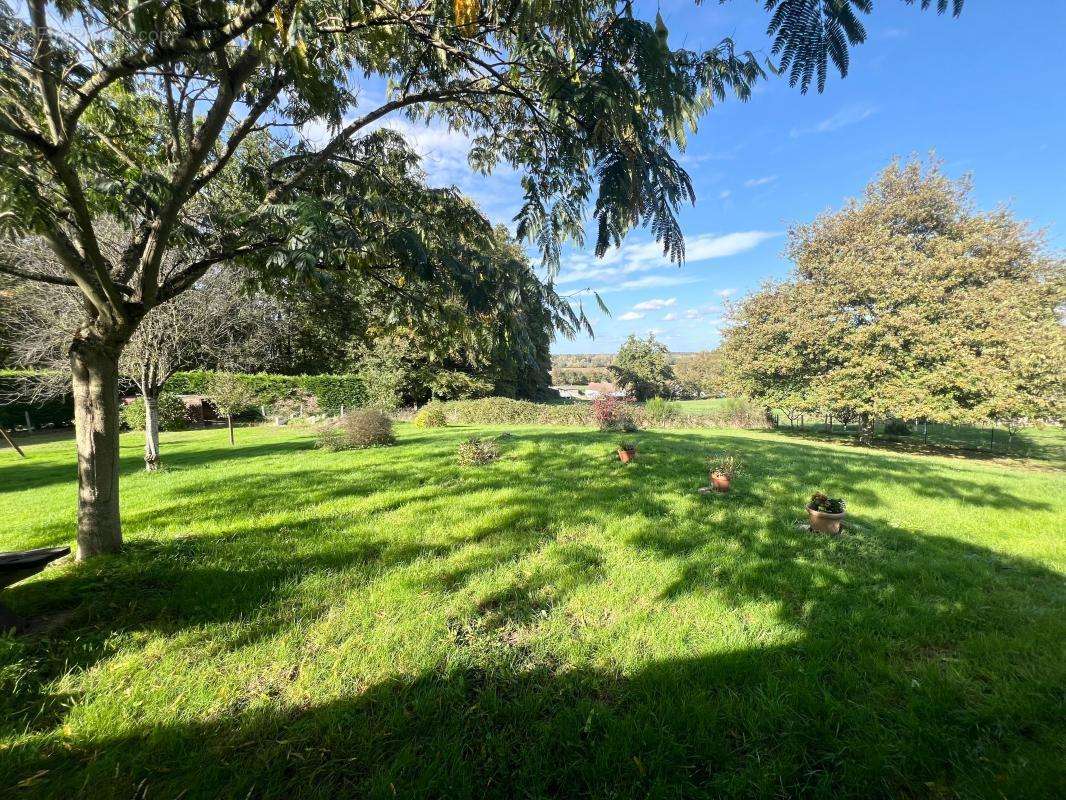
{"x": 824, "y": 522}
{"x": 720, "y": 482}
{"x": 625, "y": 456}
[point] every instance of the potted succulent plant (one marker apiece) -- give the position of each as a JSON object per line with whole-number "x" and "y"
{"x": 723, "y": 468}
{"x": 627, "y": 451}
{"x": 825, "y": 513}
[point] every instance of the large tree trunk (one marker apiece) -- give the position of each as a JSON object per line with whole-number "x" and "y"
{"x": 151, "y": 430}
{"x": 94, "y": 368}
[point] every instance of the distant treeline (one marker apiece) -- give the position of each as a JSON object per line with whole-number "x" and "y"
{"x": 580, "y": 376}
{"x": 590, "y": 360}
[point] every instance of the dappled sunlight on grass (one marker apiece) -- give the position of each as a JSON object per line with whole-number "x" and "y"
{"x": 285, "y": 620}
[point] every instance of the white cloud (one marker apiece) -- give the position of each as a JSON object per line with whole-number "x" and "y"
{"x": 724, "y": 293}
{"x": 751, "y": 183}
{"x": 706, "y": 315}
{"x": 656, "y": 331}
{"x": 648, "y": 256}
{"x": 648, "y": 282}
{"x": 846, "y": 116}
{"x": 707, "y": 246}
{"x": 655, "y": 304}
{"x": 631, "y": 315}
{"x": 670, "y": 317}
{"x": 722, "y": 195}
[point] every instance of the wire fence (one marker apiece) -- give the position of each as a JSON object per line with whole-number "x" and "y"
{"x": 1047, "y": 442}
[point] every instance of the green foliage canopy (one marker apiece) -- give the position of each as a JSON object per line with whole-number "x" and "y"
{"x": 177, "y": 120}
{"x": 909, "y": 303}
{"x": 701, "y": 374}
{"x": 642, "y": 367}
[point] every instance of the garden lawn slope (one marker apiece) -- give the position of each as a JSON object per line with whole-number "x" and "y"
{"x": 293, "y": 623}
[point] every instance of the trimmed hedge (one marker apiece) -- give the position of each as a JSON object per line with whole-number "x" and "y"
{"x": 504, "y": 411}
{"x": 331, "y": 391}
{"x": 59, "y": 411}
{"x": 172, "y": 414}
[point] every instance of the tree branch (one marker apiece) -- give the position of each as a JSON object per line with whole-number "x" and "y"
{"x": 239, "y": 134}
{"x": 43, "y": 71}
{"x": 185, "y": 175}
{"x": 37, "y": 276}
{"x": 164, "y": 53}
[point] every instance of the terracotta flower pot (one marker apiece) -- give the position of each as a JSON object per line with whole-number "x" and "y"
{"x": 720, "y": 482}
{"x": 824, "y": 522}
{"x": 625, "y": 456}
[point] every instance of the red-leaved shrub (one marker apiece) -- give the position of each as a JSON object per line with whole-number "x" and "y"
{"x": 612, "y": 414}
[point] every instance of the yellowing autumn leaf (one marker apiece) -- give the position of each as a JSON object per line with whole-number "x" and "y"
{"x": 466, "y": 12}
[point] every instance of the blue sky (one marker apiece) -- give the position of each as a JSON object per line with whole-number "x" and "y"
{"x": 986, "y": 91}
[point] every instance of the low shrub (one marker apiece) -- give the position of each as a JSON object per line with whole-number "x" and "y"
{"x": 173, "y": 416}
{"x": 474, "y": 452}
{"x": 621, "y": 416}
{"x": 897, "y": 427}
{"x": 611, "y": 414}
{"x": 431, "y": 415}
{"x": 505, "y": 411}
{"x": 659, "y": 411}
{"x": 331, "y": 437}
{"x": 737, "y": 412}
{"x": 361, "y": 428}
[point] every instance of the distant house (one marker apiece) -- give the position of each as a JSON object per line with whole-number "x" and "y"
{"x": 198, "y": 407}
{"x": 602, "y": 388}
{"x": 570, "y": 392}
{"x": 590, "y": 392}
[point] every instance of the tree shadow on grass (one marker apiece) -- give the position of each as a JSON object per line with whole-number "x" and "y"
{"x": 971, "y": 444}
{"x": 912, "y": 665}
{"x": 34, "y": 474}
{"x": 894, "y": 699}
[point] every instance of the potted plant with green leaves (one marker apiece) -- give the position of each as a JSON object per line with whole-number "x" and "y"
{"x": 723, "y": 467}
{"x": 627, "y": 451}
{"x": 825, "y": 513}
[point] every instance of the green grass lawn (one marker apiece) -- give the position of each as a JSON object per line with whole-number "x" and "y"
{"x": 1046, "y": 443}
{"x": 704, "y": 406}
{"x": 291, "y": 623}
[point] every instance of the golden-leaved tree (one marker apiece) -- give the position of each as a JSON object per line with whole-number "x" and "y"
{"x": 908, "y": 303}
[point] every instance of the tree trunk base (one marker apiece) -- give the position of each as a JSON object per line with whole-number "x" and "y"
{"x": 94, "y": 373}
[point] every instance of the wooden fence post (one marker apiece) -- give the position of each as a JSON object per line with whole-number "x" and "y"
{"x": 10, "y": 442}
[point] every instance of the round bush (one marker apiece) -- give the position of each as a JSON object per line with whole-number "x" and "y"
{"x": 897, "y": 427}
{"x": 611, "y": 414}
{"x": 173, "y": 415}
{"x": 360, "y": 428}
{"x": 475, "y": 452}
{"x": 659, "y": 411}
{"x": 431, "y": 415}
{"x": 331, "y": 437}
